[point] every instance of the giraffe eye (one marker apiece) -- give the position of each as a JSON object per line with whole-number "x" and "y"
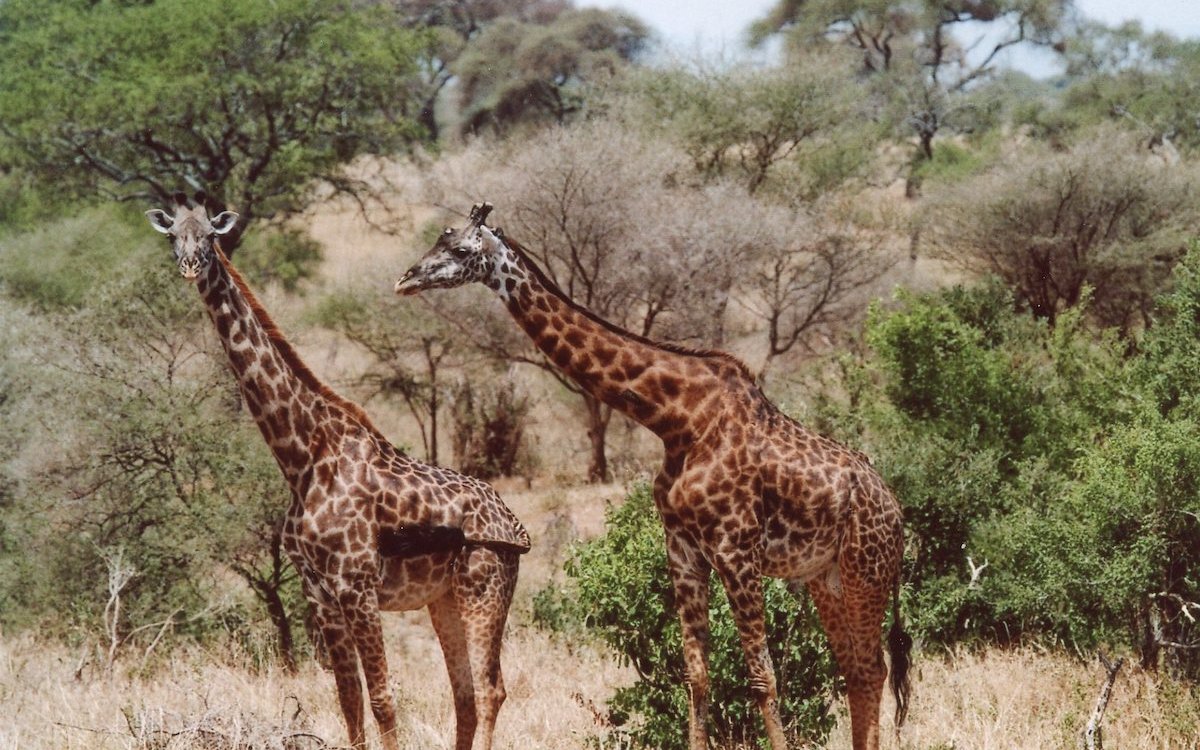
{"x": 460, "y": 251}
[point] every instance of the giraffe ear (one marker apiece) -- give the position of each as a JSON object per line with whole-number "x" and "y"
{"x": 224, "y": 221}
{"x": 160, "y": 220}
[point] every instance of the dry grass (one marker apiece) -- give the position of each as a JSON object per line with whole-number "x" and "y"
{"x": 202, "y": 699}
{"x": 1030, "y": 699}
{"x": 1022, "y": 699}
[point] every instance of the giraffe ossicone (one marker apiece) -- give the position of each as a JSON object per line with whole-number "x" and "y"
{"x": 744, "y": 490}
{"x": 368, "y": 528}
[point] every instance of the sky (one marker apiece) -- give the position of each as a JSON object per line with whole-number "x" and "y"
{"x": 712, "y": 26}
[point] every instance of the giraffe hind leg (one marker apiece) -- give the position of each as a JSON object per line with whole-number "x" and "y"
{"x": 451, "y": 632}
{"x": 852, "y": 620}
{"x": 486, "y": 590}
{"x": 469, "y": 621}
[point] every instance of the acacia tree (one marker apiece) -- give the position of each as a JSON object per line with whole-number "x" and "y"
{"x": 1150, "y": 81}
{"x": 916, "y": 46}
{"x": 456, "y": 26}
{"x": 747, "y": 123}
{"x": 806, "y": 278}
{"x": 251, "y": 102}
{"x": 522, "y": 70}
{"x": 1104, "y": 215}
{"x": 397, "y": 334}
{"x": 609, "y": 216}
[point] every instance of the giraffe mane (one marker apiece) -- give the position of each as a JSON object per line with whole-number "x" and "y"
{"x": 553, "y": 288}
{"x": 288, "y": 352}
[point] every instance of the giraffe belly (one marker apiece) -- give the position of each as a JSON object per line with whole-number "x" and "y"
{"x": 797, "y": 563}
{"x": 414, "y": 582}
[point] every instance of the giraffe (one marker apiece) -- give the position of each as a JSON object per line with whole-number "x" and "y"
{"x": 368, "y": 528}
{"x": 744, "y": 491}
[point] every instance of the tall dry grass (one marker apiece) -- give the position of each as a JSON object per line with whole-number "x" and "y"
{"x": 556, "y": 688}
{"x": 990, "y": 700}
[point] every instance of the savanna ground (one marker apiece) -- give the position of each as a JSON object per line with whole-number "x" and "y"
{"x": 1026, "y": 698}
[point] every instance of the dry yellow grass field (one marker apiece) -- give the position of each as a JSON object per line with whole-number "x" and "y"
{"x": 1001, "y": 700}
{"x": 556, "y": 689}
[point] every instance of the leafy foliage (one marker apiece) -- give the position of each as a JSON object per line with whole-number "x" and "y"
{"x": 1049, "y": 478}
{"x": 973, "y": 411}
{"x": 620, "y": 592}
{"x": 749, "y": 124}
{"x": 56, "y": 265}
{"x": 520, "y": 70}
{"x": 250, "y": 102}
{"x": 284, "y": 255}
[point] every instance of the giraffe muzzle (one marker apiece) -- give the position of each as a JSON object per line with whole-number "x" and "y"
{"x": 189, "y": 269}
{"x": 406, "y": 285}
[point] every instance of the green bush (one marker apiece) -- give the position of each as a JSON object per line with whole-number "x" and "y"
{"x": 977, "y": 415}
{"x": 57, "y": 265}
{"x": 619, "y": 591}
{"x": 1117, "y": 559}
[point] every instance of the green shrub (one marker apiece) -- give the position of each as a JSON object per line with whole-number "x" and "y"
{"x": 950, "y": 163}
{"x": 977, "y": 415}
{"x": 59, "y": 264}
{"x": 620, "y": 591}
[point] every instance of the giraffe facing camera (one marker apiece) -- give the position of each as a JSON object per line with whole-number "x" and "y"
{"x": 368, "y": 528}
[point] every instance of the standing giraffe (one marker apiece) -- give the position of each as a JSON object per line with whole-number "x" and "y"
{"x": 368, "y": 528}
{"x": 744, "y": 490}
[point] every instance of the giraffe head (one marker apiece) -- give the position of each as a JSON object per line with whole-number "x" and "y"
{"x": 192, "y": 233}
{"x": 460, "y": 256}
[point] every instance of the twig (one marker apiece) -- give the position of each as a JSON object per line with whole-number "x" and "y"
{"x": 1092, "y": 738}
{"x": 976, "y": 571}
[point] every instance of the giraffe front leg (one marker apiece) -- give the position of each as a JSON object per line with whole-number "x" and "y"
{"x": 743, "y": 584}
{"x": 689, "y": 580}
{"x": 360, "y": 608}
{"x": 339, "y": 646}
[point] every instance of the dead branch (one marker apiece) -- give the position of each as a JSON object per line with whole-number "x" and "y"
{"x": 976, "y": 571}
{"x": 1092, "y": 739}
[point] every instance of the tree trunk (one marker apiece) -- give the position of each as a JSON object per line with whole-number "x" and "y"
{"x": 267, "y": 588}
{"x": 279, "y": 618}
{"x": 427, "y": 119}
{"x": 599, "y": 414}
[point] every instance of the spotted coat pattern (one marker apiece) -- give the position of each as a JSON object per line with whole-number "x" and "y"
{"x": 368, "y": 528}
{"x": 744, "y": 490}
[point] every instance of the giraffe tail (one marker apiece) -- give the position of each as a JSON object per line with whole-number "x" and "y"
{"x": 899, "y": 648}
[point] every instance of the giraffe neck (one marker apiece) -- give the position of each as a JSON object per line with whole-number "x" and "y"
{"x": 286, "y": 400}
{"x": 657, "y": 385}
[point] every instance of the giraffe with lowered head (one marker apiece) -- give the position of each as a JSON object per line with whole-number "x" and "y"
{"x": 369, "y": 528}
{"x": 744, "y": 490}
